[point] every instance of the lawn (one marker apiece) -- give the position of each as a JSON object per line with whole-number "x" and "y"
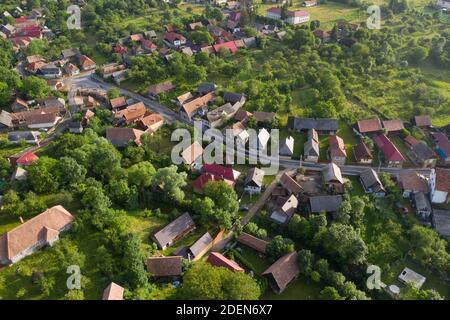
{"x": 349, "y": 137}
{"x": 299, "y": 141}
{"x": 8, "y": 223}
{"x": 357, "y": 190}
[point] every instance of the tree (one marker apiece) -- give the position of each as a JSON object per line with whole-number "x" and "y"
{"x": 35, "y": 88}
{"x": 71, "y": 171}
{"x": 279, "y": 246}
{"x": 12, "y": 205}
{"x": 5, "y": 168}
{"x": 417, "y": 54}
{"x": 141, "y": 174}
{"x": 170, "y": 182}
{"x": 133, "y": 262}
{"x": 43, "y": 175}
{"x": 305, "y": 260}
{"x": 329, "y": 293}
{"x": 203, "y": 281}
{"x": 113, "y": 93}
{"x": 201, "y": 37}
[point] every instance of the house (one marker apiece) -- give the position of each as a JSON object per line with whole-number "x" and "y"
{"x": 155, "y": 90}
{"x": 362, "y": 153}
{"x": 42, "y": 120}
{"x": 392, "y": 156}
{"x": 282, "y": 272}
{"x": 121, "y": 137}
{"x": 332, "y": 177}
{"x": 264, "y": 117}
{"x": 322, "y": 126}
{"x": 222, "y": 114}
{"x": 336, "y": 150}
{"x": 19, "y": 105}
{"x": 31, "y": 137}
{"x": 287, "y": 147}
{"x": 285, "y": 209}
{"x": 23, "y": 159}
{"x": 132, "y": 113}
{"x": 87, "y": 63}
{"x": 118, "y": 103}
{"x": 215, "y": 172}
{"x": 442, "y": 146}
{"x": 56, "y": 85}
{"x": 263, "y": 139}
{"x": 370, "y": 126}
{"x": 324, "y": 36}
{"x": 421, "y": 205}
{"x": 164, "y": 266}
{"x": 253, "y": 242}
{"x": 329, "y": 204}
{"x": 233, "y": 98}
{"x": 441, "y": 222}
{"x": 7, "y": 29}
{"x": 75, "y": 127}
{"x": 174, "y": 40}
{"x": 219, "y": 260}
{"x": 311, "y": 147}
{"x": 192, "y": 154}
{"x": 113, "y": 292}
{"x": 229, "y": 46}
{"x": 422, "y": 121}
{"x": 422, "y": 155}
{"x": 6, "y": 121}
{"x": 440, "y": 185}
{"x": 254, "y": 181}
{"x": 410, "y": 141}
{"x": 40, "y": 231}
{"x": 69, "y": 53}
{"x": 393, "y": 126}
{"x": 52, "y": 102}
{"x": 151, "y": 123}
{"x": 19, "y": 174}
{"x": 200, "y": 247}
{"x": 242, "y": 116}
{"x": 71, "y": 69}
{"x": 408, "y": 276}
{"x": 291, "y": 186}
{"x": 49, "y": 71}
{"x": 371, "y": 183}
{"x": 297, "y": 17}
{"x": 190, "y": 107}
{"x": 412, "y": 182}
{"x": 174, "y": 231}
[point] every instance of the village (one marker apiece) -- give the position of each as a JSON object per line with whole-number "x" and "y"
{"x": 324, "y": 162}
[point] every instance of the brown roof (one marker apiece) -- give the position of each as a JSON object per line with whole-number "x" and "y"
{"x": 413, "y": 181}
{"x": 253, "y": 242}
{"x": 39, "y": 228}
{"x": 26, "y": 115}
{"x": 161, "y": 87}
{"x": 284, "y": 270}
{"x": 191, "y": 153}
{"x": 443, "y": 179}
{"x": 86, "y": 62}
{"x": 41, "y": 118}
{"x": 337, "y": 147}
{"x": 184, "y": 97}
{"x": 242, "y": 115}
{"x": 361, "y": 151}
{"x": 422, "y": 121}
{"x": 290, "y": 184}
{"x": 393, "y": 125}
{"x": 122, "y": 136}
{"x": 164, "y": 266}
{"x": 132, "y": 113}
{"x": 371, "y": 125}
{"x": 118, "y": 102}
{"x": 410, "y": 140}
{"x": 151, "y": 119}
{"x": 261, "y": 116}
{"x": 113, "y": 292}
{"x": 219, "y": 260}
{"x": 174, "y": 229}
{"x": 193, "y": 105}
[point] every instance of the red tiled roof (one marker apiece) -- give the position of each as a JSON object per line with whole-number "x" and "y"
{"x": 27, "y": 158}
{"x": 118, "y": 102}
{"x": 113, "y": 292}
{"x": 274, "y": 10}
{"x": 443, "y": 179}
{"x": 284, "y": 270}
{"x": 230, "y": 45}
{"x": 219, "y": 260}
{"x": 371, "y": 125}
{"x": 221, "y": 171}
{"x": 298, "y": 13}
{"x": 204, "y": 178}
{"x": 337, "y": 147}
{"x": 390, "y": 151}
{"x": 361, "y": 151}
{"x": 413, "y": 181}
{"x": 86, "y": 61}
{"x": 393, "y": 125}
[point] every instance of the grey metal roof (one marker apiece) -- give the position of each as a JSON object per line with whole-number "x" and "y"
{"x": 201, "y": 244}
{"x": 174, "y": 229}
{"x": 421, "y": 201}
{"x": 325, "y": 203}
{"x": 441, "y": 222}
{"x": 311, "y": 148}
{"x": 232, "y": 97}
{"x": 256, "y": 176}
{"x": 299, "y": 124}
{"x": 16, "y": 136}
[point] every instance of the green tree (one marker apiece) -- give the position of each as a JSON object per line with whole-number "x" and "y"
{"x": 170, "y": 182}
{"x": 35, "y": 88}
{"x": 329, "y": 293}
{"x": 279, "y": 246}
{"x": 43, "y": 175}
{"x": 133, "y": 262}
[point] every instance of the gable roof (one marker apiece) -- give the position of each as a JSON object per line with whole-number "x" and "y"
{"x": 442, "y": 142}
{"x": 201, "y": 244}
{"x": 390, "y": 151}
{"x": 132, "y": 112}
{"x": 253, "y": 242}
{"x": 332, "y": 173}
{"x": 227, "y": 173}
{"x": 161, "y": 87}
{"x": 256, "y": 176}
{"x": 164, "y": 266}
{"x": 441, "y": 222}
{"x": 443, "y": 179}
{"x": 122, "y": 136}
{"x": 195, "y": 104}
{"x": 411, "y": 141}
{"x": 413, "y": 182}
{"x": 191, "y": 153}
{"x": 113, "y": 292}
{"x": 262, "y": 116}
{"x": 321, "y": 124}
{"x": 422, "y": 151}
{"x": 173, "y": 36}
{"x": 369, "y": 125}
{"x": 242, "y": 115}
{"x": 393, "y": 125}
{"x": 28, "y": 234}
{"x": 230, "y": 45}
{"x": 118, "y": 102}
{"x": 151, "y": 119}
{"x": 174, "y": 229}
{"x": 370, "y": 179}
{"x": 330, "y": 203}
{"x": 284, "y": 270}
{"x": 361, "y": 151}
{"x": 337, "y": 147}
{"x": 86, "y": 62}
{"x": 16, "y": 136}
{"x": 422, "y": 121}
{"x": 290, "y": 184}
{"x": 219, "y": 260}
{"x": 27, "y": 158}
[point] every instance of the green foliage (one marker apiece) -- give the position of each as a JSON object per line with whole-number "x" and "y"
{"x": 170, "y": 182}
{"x": 35, "y": 88}
{"x": 43, "y": 175}
{"x": 279, "y": 246}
